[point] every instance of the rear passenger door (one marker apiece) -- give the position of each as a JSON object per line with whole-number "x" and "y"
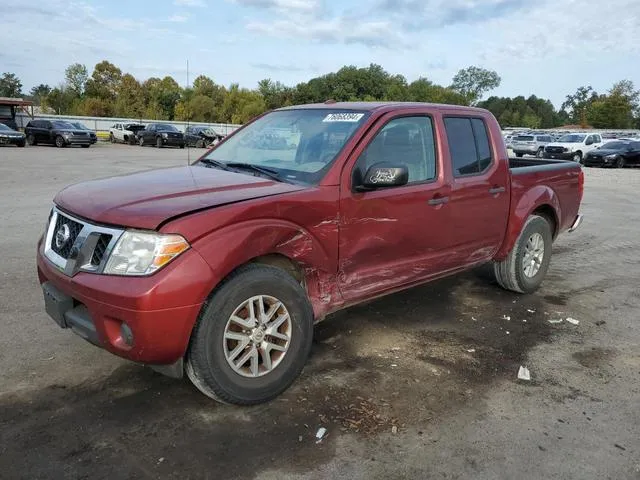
{"x": 480, "y": 190}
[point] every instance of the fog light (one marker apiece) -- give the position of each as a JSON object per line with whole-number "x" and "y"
{"x": 126, "y": 334}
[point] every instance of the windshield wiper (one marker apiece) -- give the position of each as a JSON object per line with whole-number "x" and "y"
{"x": 266, "y": 171}
{"x": 214, "y": 163}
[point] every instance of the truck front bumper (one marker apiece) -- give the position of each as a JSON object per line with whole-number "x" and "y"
{"x": 143, "y": 319}
{"x": 576, "y": 223}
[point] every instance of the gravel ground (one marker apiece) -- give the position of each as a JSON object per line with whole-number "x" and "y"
{"x": 421, "y": 384}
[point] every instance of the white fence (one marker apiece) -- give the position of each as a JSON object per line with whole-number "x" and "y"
{"x": 102, "y": 124}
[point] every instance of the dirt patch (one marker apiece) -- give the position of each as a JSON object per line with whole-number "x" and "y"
{"x": 594, "y": 357}
{"x": 400, "y": 361}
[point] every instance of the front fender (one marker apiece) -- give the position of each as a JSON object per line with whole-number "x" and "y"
{"x": 528, "y": 202}
{"x": 228, "y": 248}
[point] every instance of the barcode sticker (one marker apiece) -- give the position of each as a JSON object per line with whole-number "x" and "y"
{"x": 343, "y": 117}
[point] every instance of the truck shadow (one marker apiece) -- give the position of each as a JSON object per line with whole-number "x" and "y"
{"x": 396, "y": 362}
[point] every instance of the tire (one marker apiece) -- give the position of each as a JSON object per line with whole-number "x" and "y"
{"x": 577, "y": 157}
{"x": 59, "y": 142}
{"x": 519, "y": 155}
{"x": 620, "y": 163}
{"x": 112, "y": 139}
{"x": 85, "y": 146}
{"x": 158, "y": 142}
{"x": 141, "y": 141}
{"x": 31, "y": 139}
{"x": 22, "y": 143}
{"x": 540, "y": 153}
{"x": 207, "y": 366}
{"x": 511, "y": 273}
{"x": 199, "y": 144}
{"x": 182, "y": 145}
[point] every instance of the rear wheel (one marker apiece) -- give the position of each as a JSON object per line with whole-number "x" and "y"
{"x": 59, "y": 141}
{"x": 519, "y": 155}
{"x": 253, "y": 337}
{"x": 85, "y": 146}
{"x": 526, "y": 265}
{"x": 112, "y": 139}
{"x": 158, "y": 142}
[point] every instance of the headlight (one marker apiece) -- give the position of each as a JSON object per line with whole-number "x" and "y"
{"x": 165, "y": 135}
{"x": 66, "y": 134}
{"x": 611, "y": 157}
{"x": 142, "y": 253}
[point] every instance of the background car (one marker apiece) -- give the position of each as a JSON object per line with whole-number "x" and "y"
{"x": 82, "y": 126}
{"x": 56, "y": 132}
{"x": 161, "y": 135}
{"x": 573, "y": 146}
{"x": 618, "y": 153}
{"x": 200, "y": 136}
{"x": 530, "y": 144}
{"x": 8, "y": 136}
{"x": 125, "y": 132}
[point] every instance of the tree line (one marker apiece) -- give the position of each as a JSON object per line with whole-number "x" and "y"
{"x": 110, "y": 92}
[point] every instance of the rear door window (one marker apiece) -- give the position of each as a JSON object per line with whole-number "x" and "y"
{"x": 468, "y": 145}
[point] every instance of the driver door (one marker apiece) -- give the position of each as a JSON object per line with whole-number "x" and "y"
{"x": 394, "y": 236}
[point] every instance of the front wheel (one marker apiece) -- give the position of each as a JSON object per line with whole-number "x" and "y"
{"x": 577, "y": 157}
{"x": 540, "y": 153}
{"x": 59, "y": 141}
{"x": 112, "y": 139}
{"x": 252, "y": 338}
{"x": 21, "y": 143}
{"x": 620, "y": 163}
{"x": 85, "y": 146}
{"x": 141, "y": 141}
{"x": 158, "y": 142}
{"x": 31, "y": 139}
{"x": 526, "y": 265}
{"x": 519, "y": 155}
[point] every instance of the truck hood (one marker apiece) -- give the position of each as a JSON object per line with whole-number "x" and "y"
{"x": 147, "y": 199}
{"x": 564, "y": 145}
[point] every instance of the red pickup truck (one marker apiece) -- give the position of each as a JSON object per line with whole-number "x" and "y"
{"x": 221, "y": 268}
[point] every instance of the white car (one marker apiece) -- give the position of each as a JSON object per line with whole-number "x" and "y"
{"x": 125, "y": 132}
{"x": 573, "y": 146}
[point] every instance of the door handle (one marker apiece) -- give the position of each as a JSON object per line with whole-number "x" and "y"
{"x": 438, "y": 201}
{"x": 496, "y": 190}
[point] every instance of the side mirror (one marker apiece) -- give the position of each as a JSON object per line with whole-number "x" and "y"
{"x": 381, "y": 177}
{"x": 589, "y": 142}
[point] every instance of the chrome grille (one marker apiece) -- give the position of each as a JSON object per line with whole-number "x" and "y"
{"x": 65, "y": 233}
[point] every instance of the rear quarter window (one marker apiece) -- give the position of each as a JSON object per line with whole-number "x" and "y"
{"x": 469, "y": 146}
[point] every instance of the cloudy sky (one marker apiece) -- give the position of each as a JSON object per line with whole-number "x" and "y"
{"x": 545, "y": 47}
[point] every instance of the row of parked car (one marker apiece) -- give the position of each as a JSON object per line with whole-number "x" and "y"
{"x": 163, "y": 135}
{"x": 585, "y": 148}
{"x": 62, "y": 134}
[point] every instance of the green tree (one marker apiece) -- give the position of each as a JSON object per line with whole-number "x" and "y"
{"x": 10, "y": 85}
{"x": 617, "y": 108}
{"x": 76, "y": 77}
{"x": 130, "y": 101}
{"x": 61, "y": 100}
{"x": 40, "y": 92}
{"x": 104, "y": 82}
{"x": 95, "y": 107}
{"x": 473, "y": 82}
{"x": 579, "y": 104}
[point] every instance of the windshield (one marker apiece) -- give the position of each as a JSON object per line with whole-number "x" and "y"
{"x": 5, "y": 128}
{"x": 572, "y": 138}
{"x": 299, "y": 145}
{"x": 59, "y": 124}
{"x": 524, "y": 138}
{"x": 80, "y": 126}
{"x": 165, "y": 127}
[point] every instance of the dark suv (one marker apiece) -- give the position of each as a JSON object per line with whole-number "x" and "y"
{"x": 161, "y": 135}
{"x": 56, "y": 132}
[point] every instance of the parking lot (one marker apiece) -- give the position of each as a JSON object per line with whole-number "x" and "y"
{"x": 420, "y": 384}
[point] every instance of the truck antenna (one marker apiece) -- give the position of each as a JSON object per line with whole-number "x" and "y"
{"x": 188, "y": 116}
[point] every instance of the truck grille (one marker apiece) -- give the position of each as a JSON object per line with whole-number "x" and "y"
{"x": 101, "y": 248}
{"x": 554, "y": 149}
{"x": 74, "y": 245}
{"x": 65, "y": 233}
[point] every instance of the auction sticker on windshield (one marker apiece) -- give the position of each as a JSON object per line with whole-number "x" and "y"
{"x": 343, "y": 117}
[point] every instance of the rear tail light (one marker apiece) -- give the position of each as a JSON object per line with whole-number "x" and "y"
{"x": 580, "y": 185}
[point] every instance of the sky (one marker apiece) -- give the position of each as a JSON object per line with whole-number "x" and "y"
{"x": 544, "y": 47}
